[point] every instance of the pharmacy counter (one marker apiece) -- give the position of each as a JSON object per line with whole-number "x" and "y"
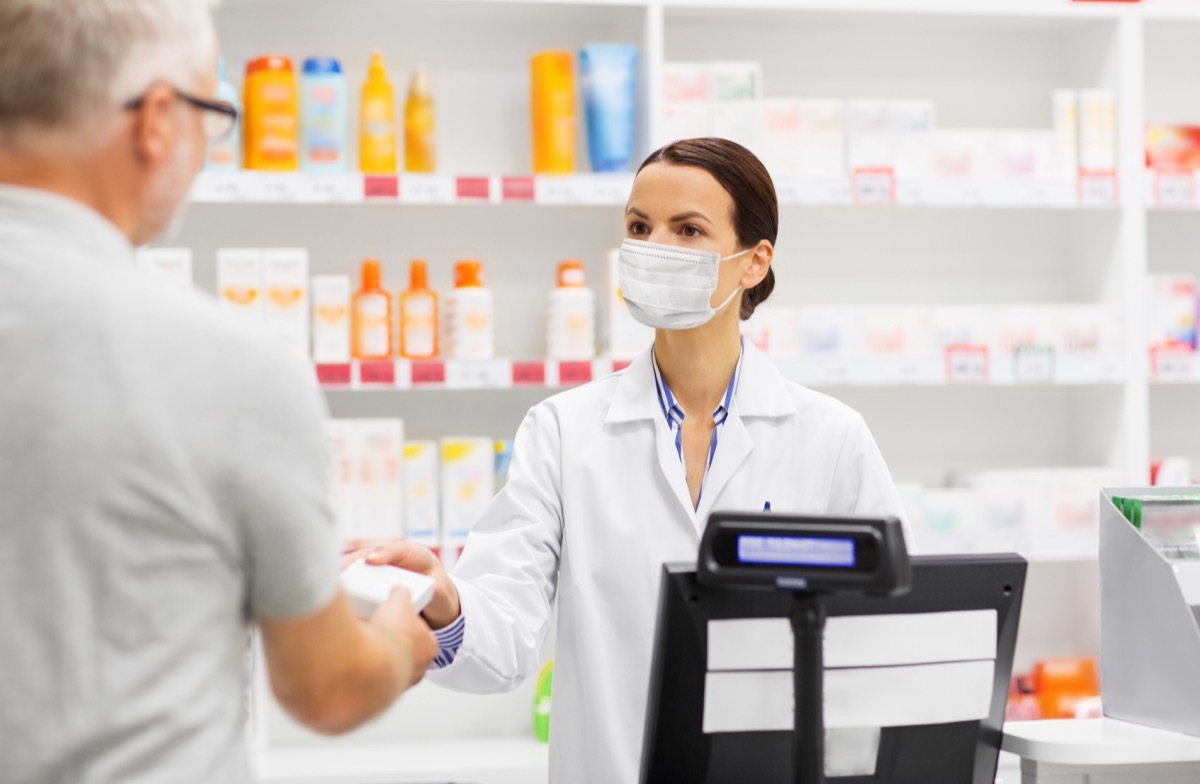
{"x": 477, "y": 761}
{"x": 1101, "y": 751}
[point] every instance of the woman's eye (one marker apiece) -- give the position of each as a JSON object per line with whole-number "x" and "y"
{"x": 691, "y": 231}
{"x": 637, "y": 229}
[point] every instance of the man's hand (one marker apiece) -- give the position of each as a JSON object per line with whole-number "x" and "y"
{"x": 444, "y": 608}
{"x": 399, "y": 623}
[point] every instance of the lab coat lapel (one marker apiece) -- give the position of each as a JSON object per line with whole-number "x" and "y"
{"x": 636, "y": 400}
{"x": 733, "y": 448}
{"x": 762, "y": 393}
{"x": 672, "y": 467}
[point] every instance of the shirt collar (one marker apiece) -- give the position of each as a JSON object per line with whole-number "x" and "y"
{"x": 670, "y": 407}
{"x": 63, "y": 218}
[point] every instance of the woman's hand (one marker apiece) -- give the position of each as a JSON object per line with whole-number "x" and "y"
{"x": 444, "y": 608}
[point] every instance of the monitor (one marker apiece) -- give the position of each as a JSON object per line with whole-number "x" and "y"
{"x": 916, "y": 683}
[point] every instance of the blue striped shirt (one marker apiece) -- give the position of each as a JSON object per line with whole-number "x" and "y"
{"x": 675, "y": 416}
{"x": 450, "y": 639}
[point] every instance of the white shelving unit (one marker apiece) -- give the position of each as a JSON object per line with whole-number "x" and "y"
{"x": 986, "y": 63}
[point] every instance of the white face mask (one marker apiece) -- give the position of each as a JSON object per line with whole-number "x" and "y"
{"x": 669, "y": 287}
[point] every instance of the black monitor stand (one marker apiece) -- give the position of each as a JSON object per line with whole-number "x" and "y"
{"x": 808, "y": 683}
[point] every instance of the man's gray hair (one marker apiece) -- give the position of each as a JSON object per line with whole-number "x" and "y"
{"x": 68, "y": 65}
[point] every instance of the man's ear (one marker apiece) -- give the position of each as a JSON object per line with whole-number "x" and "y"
{"x": 155, "y": 124}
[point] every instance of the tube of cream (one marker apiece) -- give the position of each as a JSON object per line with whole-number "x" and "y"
{"x": 609, "y": 76}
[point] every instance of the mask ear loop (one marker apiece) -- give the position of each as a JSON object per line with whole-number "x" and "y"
{"x": 729, "y": 299}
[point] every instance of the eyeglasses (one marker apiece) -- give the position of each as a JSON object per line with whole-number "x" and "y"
{"x": 220, "y": 118}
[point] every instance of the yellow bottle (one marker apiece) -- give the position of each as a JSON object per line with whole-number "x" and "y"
{"x": 552, "y": 100}
{"x": 420, "y": 147}
{"x": 377, "y": 124}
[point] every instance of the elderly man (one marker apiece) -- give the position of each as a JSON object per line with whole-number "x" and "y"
{"x": 162, "y": 475}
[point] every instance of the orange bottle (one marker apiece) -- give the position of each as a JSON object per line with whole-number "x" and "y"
{"x": 552, "y": 100}
{"x": 271, "y": 125}
{"x": 418, "y": 315}
{"x": 1062, "y": 683}
{"x": 371, "y": 316}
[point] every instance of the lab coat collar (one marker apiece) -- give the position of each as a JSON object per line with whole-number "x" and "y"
{"x": 636, "y": 398}
{"x": 762, "y": 390}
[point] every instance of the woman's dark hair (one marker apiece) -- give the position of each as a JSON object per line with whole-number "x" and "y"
{"x": 745, "y": 179}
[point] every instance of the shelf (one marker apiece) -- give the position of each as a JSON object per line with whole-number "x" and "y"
{"x": 880, "y": 189}
{"x": 300, "y": 188}
{"x": 1065, "y": 10}
{"x": 440, "y": 374}
{"x": 480, "y": 760}
{"x": 958, "y": 368}
{"x": 612, "y": 190}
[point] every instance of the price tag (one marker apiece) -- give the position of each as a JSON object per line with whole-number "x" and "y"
{"x": 911, "y": 193}
{"x": 789, "y": 191}
{"x": 336, "y": 374}
{"x": 273, "y": 188}
{"x": 517, "y": 188}
{"x": 837, "y": 192}
{"x": 914, "y": 371}
{"x": 967, "y": 365}
{"x": 377, "y": 373}
{"x": 479, "y": 374}
{"x": 1097, "y": 189}
{"x": 218, "y": 187}
{"x": 427, "y": 189}
{"x": 573, "y": 373}
{"x": 385, "y": 187}
{"x": 1172, "y": 363}
{"x": 968, "y": 193}
{"x": 324, "y": 188}
{"x": 558, "y": 190}
{"x": 873, "y": 187}
{"x": 473, "y": 188}
{"x": 1175, "y": 190}
{"x": 428, "y": 372}
{"x": 529, "y": 374}
{"x": 1037, "y": 194}
{"x": 1033, "y": 364}
{"x": 1005, "y": 193}
{"x": 610, "y": 189}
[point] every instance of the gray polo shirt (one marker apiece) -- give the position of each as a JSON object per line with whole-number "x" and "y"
{"x": 162, "y": 483}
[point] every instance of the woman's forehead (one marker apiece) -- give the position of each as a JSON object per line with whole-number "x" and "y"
{"x": 663, "y": 190}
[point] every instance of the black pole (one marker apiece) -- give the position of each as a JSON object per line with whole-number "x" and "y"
{"x": 808, "y": 681}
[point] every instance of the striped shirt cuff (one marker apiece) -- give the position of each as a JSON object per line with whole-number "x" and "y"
{"x": 449, "y": 640}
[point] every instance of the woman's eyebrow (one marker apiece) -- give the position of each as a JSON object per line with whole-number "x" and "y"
{"x": 689, "y": 216}
{"x": 683, "y": 216}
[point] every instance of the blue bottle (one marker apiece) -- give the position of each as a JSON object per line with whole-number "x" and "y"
{"x": 609, "y": 76}
{"x": 323, "y": 120}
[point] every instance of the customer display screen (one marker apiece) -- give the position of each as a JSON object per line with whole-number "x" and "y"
{"x": 838, "y": 553}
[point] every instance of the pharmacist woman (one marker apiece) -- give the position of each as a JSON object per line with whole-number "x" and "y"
{"x": 610, "y": 480}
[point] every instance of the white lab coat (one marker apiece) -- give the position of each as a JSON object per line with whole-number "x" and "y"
{"x": 596, "y": 501}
